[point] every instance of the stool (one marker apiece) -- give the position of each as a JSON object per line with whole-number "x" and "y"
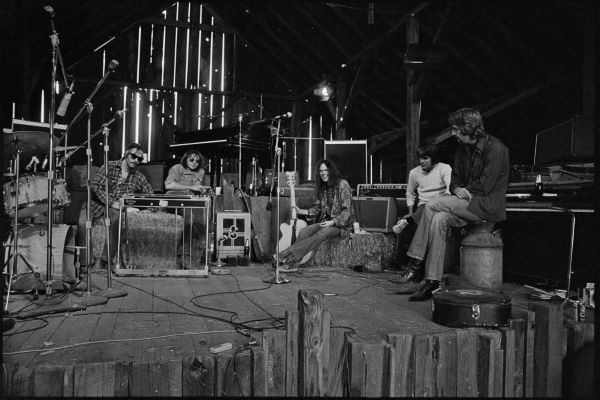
{"x": 481, "y": 255}
{"x": 76, "y": 258}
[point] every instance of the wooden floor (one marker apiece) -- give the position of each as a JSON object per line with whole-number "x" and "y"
{"x": 170, "y": 318}
{"x": 164, "y": 318}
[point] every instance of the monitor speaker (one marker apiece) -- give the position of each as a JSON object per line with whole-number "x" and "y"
{"x": 376, "y": 214}
{"x": 155, "y": 174}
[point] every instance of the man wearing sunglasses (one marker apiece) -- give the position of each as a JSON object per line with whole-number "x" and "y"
{"x": 123, "y": 180}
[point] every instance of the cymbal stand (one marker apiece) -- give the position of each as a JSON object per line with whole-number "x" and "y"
{"x": 16, "y": 254}
{"x": 109, "y": 291}
{"x": 277, "y": 279}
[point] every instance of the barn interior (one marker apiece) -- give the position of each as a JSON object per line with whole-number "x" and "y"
{"x": 265, "y": 87}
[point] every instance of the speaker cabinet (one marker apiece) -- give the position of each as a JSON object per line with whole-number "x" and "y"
{"x": 155, "y": 174}
{"x": 233, "y": 229}
{"x": 571, "y": 140}
{"x": 350, "y": 157}
{"x": 376, "y": 214}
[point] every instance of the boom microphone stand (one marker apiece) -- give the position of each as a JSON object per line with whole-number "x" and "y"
{"x": 277, "y": 279}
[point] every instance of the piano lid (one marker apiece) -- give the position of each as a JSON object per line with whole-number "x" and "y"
{"x": 255, "y": 136}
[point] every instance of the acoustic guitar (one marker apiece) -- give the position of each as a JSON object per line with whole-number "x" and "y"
{"x": 289, "y": 231}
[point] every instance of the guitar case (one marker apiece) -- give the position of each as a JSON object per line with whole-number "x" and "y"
{"x": 471, "y": 308}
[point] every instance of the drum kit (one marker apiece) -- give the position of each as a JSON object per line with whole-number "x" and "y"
{"x": 26, "y": 199}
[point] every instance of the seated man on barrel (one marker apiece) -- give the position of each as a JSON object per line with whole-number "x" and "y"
{"x": 123, "y": 180}
{"x": 478, "y": 188}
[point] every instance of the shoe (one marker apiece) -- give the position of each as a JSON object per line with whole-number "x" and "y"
{"x": 283, "y": 268}
{"x": 414, "y": 273}
{"x": 425, "y": 292}
{"x": 399, "y": 227}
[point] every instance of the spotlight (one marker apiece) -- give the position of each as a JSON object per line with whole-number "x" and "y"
{"x": 323, "y": 92}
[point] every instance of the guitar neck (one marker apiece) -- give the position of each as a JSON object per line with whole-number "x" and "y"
{"x": 293, "y": 202}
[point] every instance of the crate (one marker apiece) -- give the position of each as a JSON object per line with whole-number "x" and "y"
{"x": 233, "y": 233}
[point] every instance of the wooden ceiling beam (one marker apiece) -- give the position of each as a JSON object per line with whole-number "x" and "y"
{"x": 261, "y": 48}
{"x": 380, "y": 40}
{"x": 317, "y": 20}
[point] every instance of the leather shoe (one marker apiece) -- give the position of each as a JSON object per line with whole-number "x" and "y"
{"x": 425, "y": 292}
{"x": 410, "y": 276}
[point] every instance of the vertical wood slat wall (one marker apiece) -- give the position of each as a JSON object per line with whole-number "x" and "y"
{"x": 168, "y": 56}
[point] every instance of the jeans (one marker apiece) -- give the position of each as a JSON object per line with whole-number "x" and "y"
{"x": 113, "y": 234}
{"x": 310, "y": 238}
{"x": 439, "y": 215}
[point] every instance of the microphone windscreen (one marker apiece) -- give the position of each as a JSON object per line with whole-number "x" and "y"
{"x": 113, "y": 65}
{"x": 62, "y": 108}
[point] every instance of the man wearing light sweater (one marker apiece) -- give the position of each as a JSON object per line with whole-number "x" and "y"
{"x": 429, "y": 180}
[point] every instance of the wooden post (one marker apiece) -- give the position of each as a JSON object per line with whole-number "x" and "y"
{"x": 310, "y": 339}
{"x": 445, "y": 348}
{"x": 368, "y": 369}
{"x": 274, "y": 345}
{"x": 466, "y": 363}
{"x": 529, "y": 340}
{"x": 291, "y": 353}
{"x": 17, "y": 382}
{"x": 413, "y": 108}
{"x": 550, "y": 349}
{"x": 95, "y": 380}
{"x": 48, "y": 381}
{"x": 518, "y": 327}
{"x": 509, "y": 346}
{"x": 198, "y": 376}
{"x": 337, "y": 360}
{"x": 401, "y": 365}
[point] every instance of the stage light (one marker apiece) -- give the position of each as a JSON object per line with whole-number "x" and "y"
{"x": 323, "y": 92}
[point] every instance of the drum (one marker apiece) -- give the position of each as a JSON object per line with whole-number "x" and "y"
{"x": 33, "y": 195}
{"x": 33, "y": 243}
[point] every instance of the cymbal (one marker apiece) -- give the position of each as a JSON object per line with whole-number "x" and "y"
{"x": 27, "y": 141}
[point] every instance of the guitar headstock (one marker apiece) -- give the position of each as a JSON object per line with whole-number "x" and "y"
{"x": 290, "y": 178}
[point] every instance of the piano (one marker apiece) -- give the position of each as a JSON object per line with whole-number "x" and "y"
{"x": 225, "y": 141}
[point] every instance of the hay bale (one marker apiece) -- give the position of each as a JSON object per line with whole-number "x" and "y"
{"x": 373, "y": 251}
{"x": 152, "y": 239}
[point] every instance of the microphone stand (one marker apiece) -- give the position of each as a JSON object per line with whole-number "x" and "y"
{"x": 88, "y": 100}
{"x": 277, "y": 279}
{"x": 52, "y": 110}
{"x": 88, "y": 299}
{"x": 109, "y": 291}
{"x": 240, "y": 118}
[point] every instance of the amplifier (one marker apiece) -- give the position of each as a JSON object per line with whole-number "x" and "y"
{"x": 397, "y": 190}
{"x": 375, "y": 214}
{"x": 233, "y": 233}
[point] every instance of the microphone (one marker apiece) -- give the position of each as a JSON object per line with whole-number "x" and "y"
{"x": 44, "y": 163}
{"x": 113, "y": 65}
{"x": 64, "y": 103}
{"x": 49, "y": 10}
{"x": 34, "y": 160}
{"x": 119, "y": 114}
{"x": 286, "y": 115}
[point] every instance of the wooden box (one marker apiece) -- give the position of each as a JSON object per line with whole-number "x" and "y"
{"x": 233, "y": 231}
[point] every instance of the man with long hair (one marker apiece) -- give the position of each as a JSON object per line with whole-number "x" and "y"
{"x": 186, "y": 176}
{"x": 478, "y": 188}
{"x": 332, "y": 211}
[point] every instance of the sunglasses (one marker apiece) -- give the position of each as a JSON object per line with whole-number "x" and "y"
{"x": 135, "y": 157}
{"x": 194, "y": 160}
